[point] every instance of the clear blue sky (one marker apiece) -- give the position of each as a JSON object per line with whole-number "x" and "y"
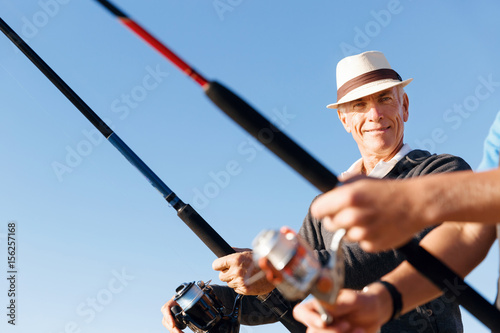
{"x": 85, "y": 216}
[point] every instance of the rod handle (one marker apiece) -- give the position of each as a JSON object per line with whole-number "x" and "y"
{"x": 204, "y": 231}
{"x": 270, "y": 136}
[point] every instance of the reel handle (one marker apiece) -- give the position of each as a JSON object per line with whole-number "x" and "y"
{"x": 177, "y": 314}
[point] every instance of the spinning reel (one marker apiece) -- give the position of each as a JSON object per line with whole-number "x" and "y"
{"x": 201, "y": 310}
{"x": 301, "y": 271}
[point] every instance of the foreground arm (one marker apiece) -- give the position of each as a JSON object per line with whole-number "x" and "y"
{"x": 461, "y": 246}
{"x": 370, "y": 309}
{"x": 383, "y": 214}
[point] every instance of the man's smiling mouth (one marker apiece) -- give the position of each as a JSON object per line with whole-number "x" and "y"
{"x": 380, "y": 129}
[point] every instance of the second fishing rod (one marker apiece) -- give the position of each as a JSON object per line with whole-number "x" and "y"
{"x": 273, "y": 301}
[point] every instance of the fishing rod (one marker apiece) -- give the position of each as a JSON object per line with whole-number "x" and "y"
{"x": 241, "y": 112}
{"x": 274, "y": 301}
{"x": 307, "y": 166}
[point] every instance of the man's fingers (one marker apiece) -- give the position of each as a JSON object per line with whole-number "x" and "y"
{"x": 349, "y": 195}
{"x": 345, "y": 303}
{"x": 369, "y": 246}
{"x": 242, "y": 258}
{"x": 345, "y": 218}
{"x": 165, "y": 322}
{"x": 335, "y": 223}
{"x": 168, "y": 319}
{"x": 221, "y": 264}
{"x": 356, "y": 234}
{"x": 306, "y": 313}
{"x": 328, "y": 203}
{"x": 165, "y": 310}
{"x": 171, "y": 328}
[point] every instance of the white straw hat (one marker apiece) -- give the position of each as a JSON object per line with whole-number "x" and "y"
{"x": 362, "y": 75}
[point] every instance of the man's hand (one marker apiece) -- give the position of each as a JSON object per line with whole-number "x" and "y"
{"x": 236, "y": 268}
{"x": 353, "y": 312}
{"x": 379, "y": 214}
{"x": 168, "y": 319}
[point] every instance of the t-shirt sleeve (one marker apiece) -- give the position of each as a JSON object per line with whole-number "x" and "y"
{"x": 420, "y": 163}
{"x": 491, "y": 155}
{"x": 252, "y": 311}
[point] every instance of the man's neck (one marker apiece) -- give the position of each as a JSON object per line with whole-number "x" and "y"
{"x": 370, "y": 160}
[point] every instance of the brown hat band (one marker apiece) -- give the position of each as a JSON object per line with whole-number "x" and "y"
{"x": 358, "y": 81}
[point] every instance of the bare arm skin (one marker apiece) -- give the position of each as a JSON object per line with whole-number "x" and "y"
{"x": 465, "y": 196}
{"x": 384, "y": 214}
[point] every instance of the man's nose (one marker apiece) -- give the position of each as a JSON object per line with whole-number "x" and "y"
{"x": 375, "y": 112}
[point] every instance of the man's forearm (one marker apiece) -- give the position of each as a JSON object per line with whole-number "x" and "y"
{"x": 471, "y": 240}
{"x": 461, "y": 196}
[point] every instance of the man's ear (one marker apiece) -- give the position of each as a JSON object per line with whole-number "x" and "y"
{"x": 343, "y": 120}
{"x": 406, "y": 106}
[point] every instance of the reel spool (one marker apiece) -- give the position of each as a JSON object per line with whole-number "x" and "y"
{"x": 300, "y": 268}
{"x": 201, "y": 311}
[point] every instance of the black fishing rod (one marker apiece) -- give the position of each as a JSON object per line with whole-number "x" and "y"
{"x": 318, "y": 175}
{"x": 186, "y": 212}
{"x": 241, "y": 112}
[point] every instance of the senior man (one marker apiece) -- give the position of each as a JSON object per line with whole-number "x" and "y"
{"x": 372, "y": 106}
{"x": 463, "y": 196}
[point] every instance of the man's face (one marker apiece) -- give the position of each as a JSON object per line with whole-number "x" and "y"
{"x": 376, "y": 122}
